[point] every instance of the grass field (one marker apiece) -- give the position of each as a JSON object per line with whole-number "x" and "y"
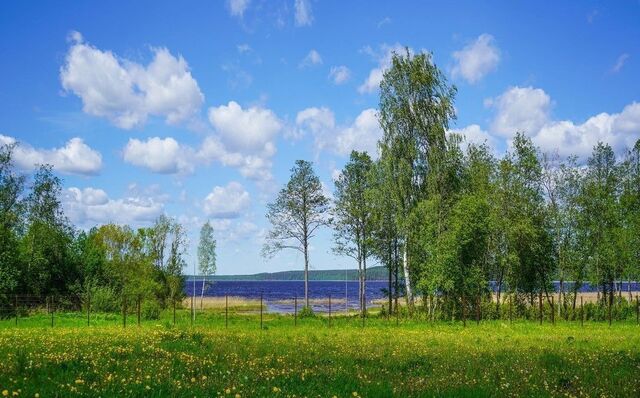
{"x": 314, "y": 359}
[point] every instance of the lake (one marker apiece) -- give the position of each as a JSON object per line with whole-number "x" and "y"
{"x": 279, "y": 296}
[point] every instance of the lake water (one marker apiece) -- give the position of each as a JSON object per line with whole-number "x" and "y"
{"x": 279, "y": 296}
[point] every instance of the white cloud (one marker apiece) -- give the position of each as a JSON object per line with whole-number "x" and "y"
{"x": 254, "y": 167}
{"x": 227, "y": 202}
{"x": 127, "y": 93}
{"x": 245, "y": 130}
{"x": 476, "y": 59}
{"x": 528, "y": 110}
{"x": 361, "y": 135}
{"x": 75, "y": 157}
{"x": 159, "y": 155}
{"x": 243, "y": 48}
{"x": 622, "y": 59}
{"x": 303, "y": 13}
{"x": 238, "y": 7}
{"x": 523, "y": 109}
{"x": 339, "y": 74}
{"x": 92, "y": 206}
{"x": 620, "y": 130}
{"x": 474, "y": 134}
{"x": 312, "y": 58}
{"x": 243, "y": 138}
{"x": 384, "y": 21}
{"x": 383, "y": 57}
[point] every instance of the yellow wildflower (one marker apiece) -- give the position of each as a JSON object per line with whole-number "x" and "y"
{"x": 5, "y": 393}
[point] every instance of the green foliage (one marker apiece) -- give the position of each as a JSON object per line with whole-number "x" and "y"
{"x": 105, "y": 299}
{"x": 207, "y": 250}
{"x": 306, "y": 312}
{"x": 299, "y": 210}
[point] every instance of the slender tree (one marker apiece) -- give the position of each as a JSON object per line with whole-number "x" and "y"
{"x": 299, "y": 210}
{"x": 385, "y": 242}
{"x": 352, "y": 215}
{"x": 416, "y": 105}
{"x": 206, "y": 255}
{"x": 11, "y": 217}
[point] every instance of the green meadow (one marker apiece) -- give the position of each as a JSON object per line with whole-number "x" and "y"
{"x": 316, "y": 357}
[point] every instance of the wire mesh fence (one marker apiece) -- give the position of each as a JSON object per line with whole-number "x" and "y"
{"x": 223, "y": 310}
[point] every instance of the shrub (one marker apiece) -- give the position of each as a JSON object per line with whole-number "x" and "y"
{"x": 105, "y": 299}
{"x": 307, "y": 312}
{"x": 150, "y": 309}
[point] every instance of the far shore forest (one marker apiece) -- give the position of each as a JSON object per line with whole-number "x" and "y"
{"x": 445, "y": 217}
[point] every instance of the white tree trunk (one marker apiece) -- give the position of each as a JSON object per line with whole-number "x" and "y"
{"x": 407, "y": 280}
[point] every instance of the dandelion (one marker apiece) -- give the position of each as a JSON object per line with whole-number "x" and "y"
{"x": 5, "y": 393}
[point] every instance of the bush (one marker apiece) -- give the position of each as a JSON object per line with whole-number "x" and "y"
{"x": 307, "y": 312}
{"x": 105, "y": 299}
{"x": 150, "y": 309}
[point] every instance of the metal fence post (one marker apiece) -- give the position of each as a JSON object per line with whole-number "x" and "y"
{"x": 124, "y": 311}
{"x": 540, "y": 304}
{"x": 329, "y": 310}
{"x": 464, "y": 311}
{"x": 510, "y": 308}
{"x": 610, "y": 304}
{"x": 193, "y": 314}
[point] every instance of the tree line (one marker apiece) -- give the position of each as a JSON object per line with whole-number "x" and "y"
{"x": 43, "y": 254}
{"x": 452, "y": 222}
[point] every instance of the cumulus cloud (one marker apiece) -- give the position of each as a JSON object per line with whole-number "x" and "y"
{"x": 245, "y": 130}
{"x": 474, "y": 134}
{"x": 476, "y": 59}
{"x": 520, "y": 109}
{"x": 237, "y": 7}
{"x": 361, "y": 135}
{"x": 243, "y": 138}
{"x": 528, "y": 110}
{"x": 303, "y": 13}
{"x": 312, "y": 58}
{"x": 92, "y": 206}
{"x": 256, "y": 167}
{"x": 165, "y": 156}
{"x": 75, "y": 157}
{"x": 383, "y": 58}
{"x": 339, "y": 74}
{"x": 229, "y": 201}
{"x": 127, "y": 93}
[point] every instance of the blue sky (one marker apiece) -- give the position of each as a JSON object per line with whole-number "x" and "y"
{"x": 199, "y": 109}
